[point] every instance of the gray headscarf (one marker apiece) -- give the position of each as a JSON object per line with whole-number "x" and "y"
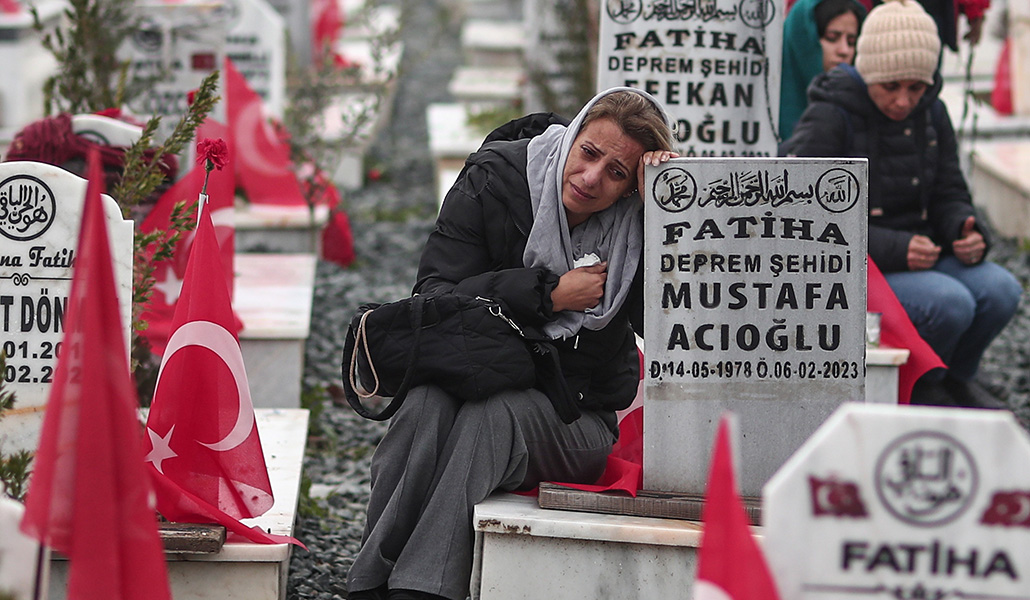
{"x": 615, "y": 235}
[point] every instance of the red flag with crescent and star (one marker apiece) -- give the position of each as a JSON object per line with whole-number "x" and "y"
{"x": 263, "y": 166}
{"x": 221, "y": 186}
{"x": 89, "y": 495}
{"x": 730, "y": 564}
{"x": 205, "y": 458}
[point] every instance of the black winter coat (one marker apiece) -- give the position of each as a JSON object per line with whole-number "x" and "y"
{"x": 476, "y": 249}
{"x": 915, "y": 185}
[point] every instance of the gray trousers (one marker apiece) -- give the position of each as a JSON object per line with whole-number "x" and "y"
{"x": 440, "y": 458}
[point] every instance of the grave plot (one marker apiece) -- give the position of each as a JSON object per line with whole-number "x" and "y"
{"x": 240, "y": 570}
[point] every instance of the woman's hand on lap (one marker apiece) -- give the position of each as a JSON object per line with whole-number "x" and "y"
{"x": 970, "y": 246}
{"x": 922, "y": 253}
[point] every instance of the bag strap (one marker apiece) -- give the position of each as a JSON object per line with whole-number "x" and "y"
{"x": 351, "y": 348}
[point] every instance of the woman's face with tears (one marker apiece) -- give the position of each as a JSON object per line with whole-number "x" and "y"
{"x": 601, "y": 168}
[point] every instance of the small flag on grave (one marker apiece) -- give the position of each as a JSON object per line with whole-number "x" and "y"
{"x": 88, "y": 497}
{"x": 731, "y": 565}
{"x": 205, "y": 458}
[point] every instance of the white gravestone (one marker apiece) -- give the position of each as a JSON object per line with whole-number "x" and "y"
{"x": 754, "y": 301}
{"x": 1019, "y": 58}
{"x": 105, "y": 130}
{"x": 903, "y": 502}
{"x": 298, "y": 18}
{"x": 257, "y": 46}
{"x": 175, "y": 47}
{"x": 20, "y": 556}
{"x": 40, "y": 216}
{"x": 714, "y": 64}
{"x": 21, "y": 97}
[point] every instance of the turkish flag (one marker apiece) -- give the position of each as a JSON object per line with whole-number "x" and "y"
{"x": 831, "y": 497}
{"x": 730, "y": 563}
{"x": 1009, "y": 509}
{"x": 263, "y": 166}
{"x": 221, "y": 190}
{"x": 205, "y": 453}
{"x": 327, "y": 21}
{"x": 897, "y": 331}
{"x": 88, "y": 497}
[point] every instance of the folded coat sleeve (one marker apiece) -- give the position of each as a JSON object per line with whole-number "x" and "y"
{"x": 458, "y": 257}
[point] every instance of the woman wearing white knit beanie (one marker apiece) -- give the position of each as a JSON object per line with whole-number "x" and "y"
{"x": 923, "y": 231}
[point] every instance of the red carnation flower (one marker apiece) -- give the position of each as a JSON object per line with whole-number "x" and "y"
{"x": 213, "y": 154}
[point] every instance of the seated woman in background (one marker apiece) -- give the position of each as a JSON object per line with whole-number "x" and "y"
{"x": 817, "y": 36}
{"x": 923, "y": 232}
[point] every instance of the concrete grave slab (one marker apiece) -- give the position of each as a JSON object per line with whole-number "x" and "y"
{"x": 903, "y": 502}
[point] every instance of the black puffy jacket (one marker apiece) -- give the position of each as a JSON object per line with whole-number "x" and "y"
{"x": 915, "y": 184}
{"x": 476, "y": 248}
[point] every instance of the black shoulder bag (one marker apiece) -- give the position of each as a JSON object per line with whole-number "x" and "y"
{"x": 464, "y": 344}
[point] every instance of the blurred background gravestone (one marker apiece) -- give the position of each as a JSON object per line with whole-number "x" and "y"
{"x": 715, "y": 64}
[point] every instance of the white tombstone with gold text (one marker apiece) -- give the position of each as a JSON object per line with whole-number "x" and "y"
{"x": 903, "y": 502}
{"x": 714, "y": 64}
{"x": 40, "y": 216}
{"x": 754, "y": 301}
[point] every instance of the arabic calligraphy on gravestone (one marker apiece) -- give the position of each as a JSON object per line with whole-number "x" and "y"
{"x": 754, "y": 301}
{"x": 714, "y": 64}
{"x": 903, "y": 502}
{"x": 40, "y": 215}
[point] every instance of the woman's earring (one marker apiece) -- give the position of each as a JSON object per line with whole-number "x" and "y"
{"x": 630, "y": 193}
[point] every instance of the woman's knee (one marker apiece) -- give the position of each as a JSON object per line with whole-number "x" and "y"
{"x": 951, "y": 309}
{"x": 1001, "y": 296}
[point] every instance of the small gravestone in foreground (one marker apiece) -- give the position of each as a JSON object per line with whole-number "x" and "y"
{"x": 903, "y": 502}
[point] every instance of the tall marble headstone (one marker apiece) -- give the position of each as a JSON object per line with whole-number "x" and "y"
{"x": 755, "y": 296}
{"x": 40, "y": 216}
{"x": 175, "y": 47}
{"x": 714, "y": 64}
{"x": 903, "y": 502}
{"x": 257, "y": 47}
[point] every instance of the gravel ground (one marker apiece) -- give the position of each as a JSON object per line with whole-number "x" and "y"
{"x": 391, "y": 219}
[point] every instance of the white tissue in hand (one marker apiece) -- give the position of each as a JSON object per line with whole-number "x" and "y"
{"x": 586, "y": 261}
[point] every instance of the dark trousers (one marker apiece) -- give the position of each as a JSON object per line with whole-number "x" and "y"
{"x": 440, "y": 458}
